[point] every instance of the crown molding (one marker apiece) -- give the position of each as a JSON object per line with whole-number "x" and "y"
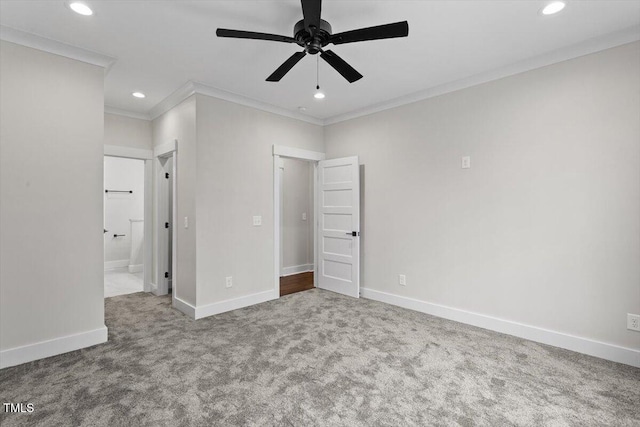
{"x": 204, "y": 89}
{"x": 175, "y": 98}
{"x": 593, "y": 45}
{"x": 55, "y": 47}
{"x": 597, "y": 44}
{"x": 120, "y": 112}
{"x": 192, "y": 87}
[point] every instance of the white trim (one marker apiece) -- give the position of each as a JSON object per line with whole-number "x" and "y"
{"x": 121, "y": 263}
{"x": 232, "y": 304}
{"x": 148, "y": 225}
{"x": 174, "y": 230}
{"x": 296, "y": 269}
{"x": 316, "y": 214}
{"x": 55, "y": 47}
{"x": 191, "y": 87}
{"x": 40, "y": 350}
{"x": 277, "y": 220}
{"x": 599, "y": 349}
{"x": 135, "y": 268}
{"x": 128, "y": 152}
{"x": 165, "y": 149}
{"x": 126, "y": 113}
{"x": 184, "y": 307}
{"x": 280, "y": 162}
{"x": 168, "y": 149}
{"x": 297, "y": 153}
{"x": 175, "y": 98}
{"x": 587, "y": 47}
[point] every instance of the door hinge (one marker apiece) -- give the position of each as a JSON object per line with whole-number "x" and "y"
{"x": 166, "y": 175}
{"x": 166, "y": 274}
{"x": 166, "y": 225}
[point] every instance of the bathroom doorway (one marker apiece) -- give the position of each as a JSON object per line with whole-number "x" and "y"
{"x": 124, "y": 225}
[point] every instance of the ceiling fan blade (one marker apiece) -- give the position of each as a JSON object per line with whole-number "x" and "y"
{"x": 238, "y": 34}
{"x": 311, "y": 11}
{"x": 285, "y": 67}
{"x": 387, "y": 31}
{"x": 347, "y": 71}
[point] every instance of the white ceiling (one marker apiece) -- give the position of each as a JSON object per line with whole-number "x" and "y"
{"x": 161, "y": 45}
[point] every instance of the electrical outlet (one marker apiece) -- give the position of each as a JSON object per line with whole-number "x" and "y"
{"x": 229, "y": 281}
{"x": 402, "y": 280}
{"x": 633, "y": 322}
{"x": 257, "y": 221}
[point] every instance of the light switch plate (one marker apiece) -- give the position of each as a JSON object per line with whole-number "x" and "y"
{"x": 466, "y": 162}
{"x": 304, "y": 216}
{"x": 257, "y": 221}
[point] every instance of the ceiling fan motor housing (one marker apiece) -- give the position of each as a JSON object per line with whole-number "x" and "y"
{"x": 316, "y": 39}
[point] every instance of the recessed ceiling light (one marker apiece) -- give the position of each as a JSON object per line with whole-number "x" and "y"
{"x": 318, "y": 95}
{"x": 553, "y": 7}
{"x": 139, "y": 94}
{"x": 81, "y": 8}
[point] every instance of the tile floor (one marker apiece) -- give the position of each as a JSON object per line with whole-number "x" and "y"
{"x": 119, "y": 281}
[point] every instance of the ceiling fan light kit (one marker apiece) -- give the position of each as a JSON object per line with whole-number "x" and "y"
{"x": 313, "y": 34}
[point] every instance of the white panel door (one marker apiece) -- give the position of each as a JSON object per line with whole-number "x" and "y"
{"x": 339, "y": 226}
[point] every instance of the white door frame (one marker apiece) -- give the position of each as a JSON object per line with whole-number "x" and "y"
{"x": 169, "y": 149}
{"x": 279, "y": 152}
{"x": 147, "y": 246}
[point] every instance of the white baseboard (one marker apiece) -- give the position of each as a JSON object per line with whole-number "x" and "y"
{"x": 137, "y": 268}
{"x": 232, "y": 304}
{"x": 109, "y": 265}
{"x": 288, "y": 271}
{"x": 153, "y": 288}
{"x": 184, "y": 307}
{"x": 602, "y": 350}
{"x": 40, "y": 350}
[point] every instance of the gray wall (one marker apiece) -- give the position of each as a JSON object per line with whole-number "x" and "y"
{"x": 51, "y": 144}
{"x": 544, "y": 229}
{"x": 127, "y": 132}
{"x": 297, "y": 234}
{"x": 234, "y": 183}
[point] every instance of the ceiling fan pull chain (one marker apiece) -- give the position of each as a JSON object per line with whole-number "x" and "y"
{"x": 317, "y": 73}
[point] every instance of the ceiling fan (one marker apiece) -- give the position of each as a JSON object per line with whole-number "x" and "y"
{"x": 313, "y": 34}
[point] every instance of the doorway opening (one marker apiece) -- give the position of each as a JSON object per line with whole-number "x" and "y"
{"x": 296, "y": 225}
{"x": 124, "y": 225}
{"x": 336, "y": 220}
